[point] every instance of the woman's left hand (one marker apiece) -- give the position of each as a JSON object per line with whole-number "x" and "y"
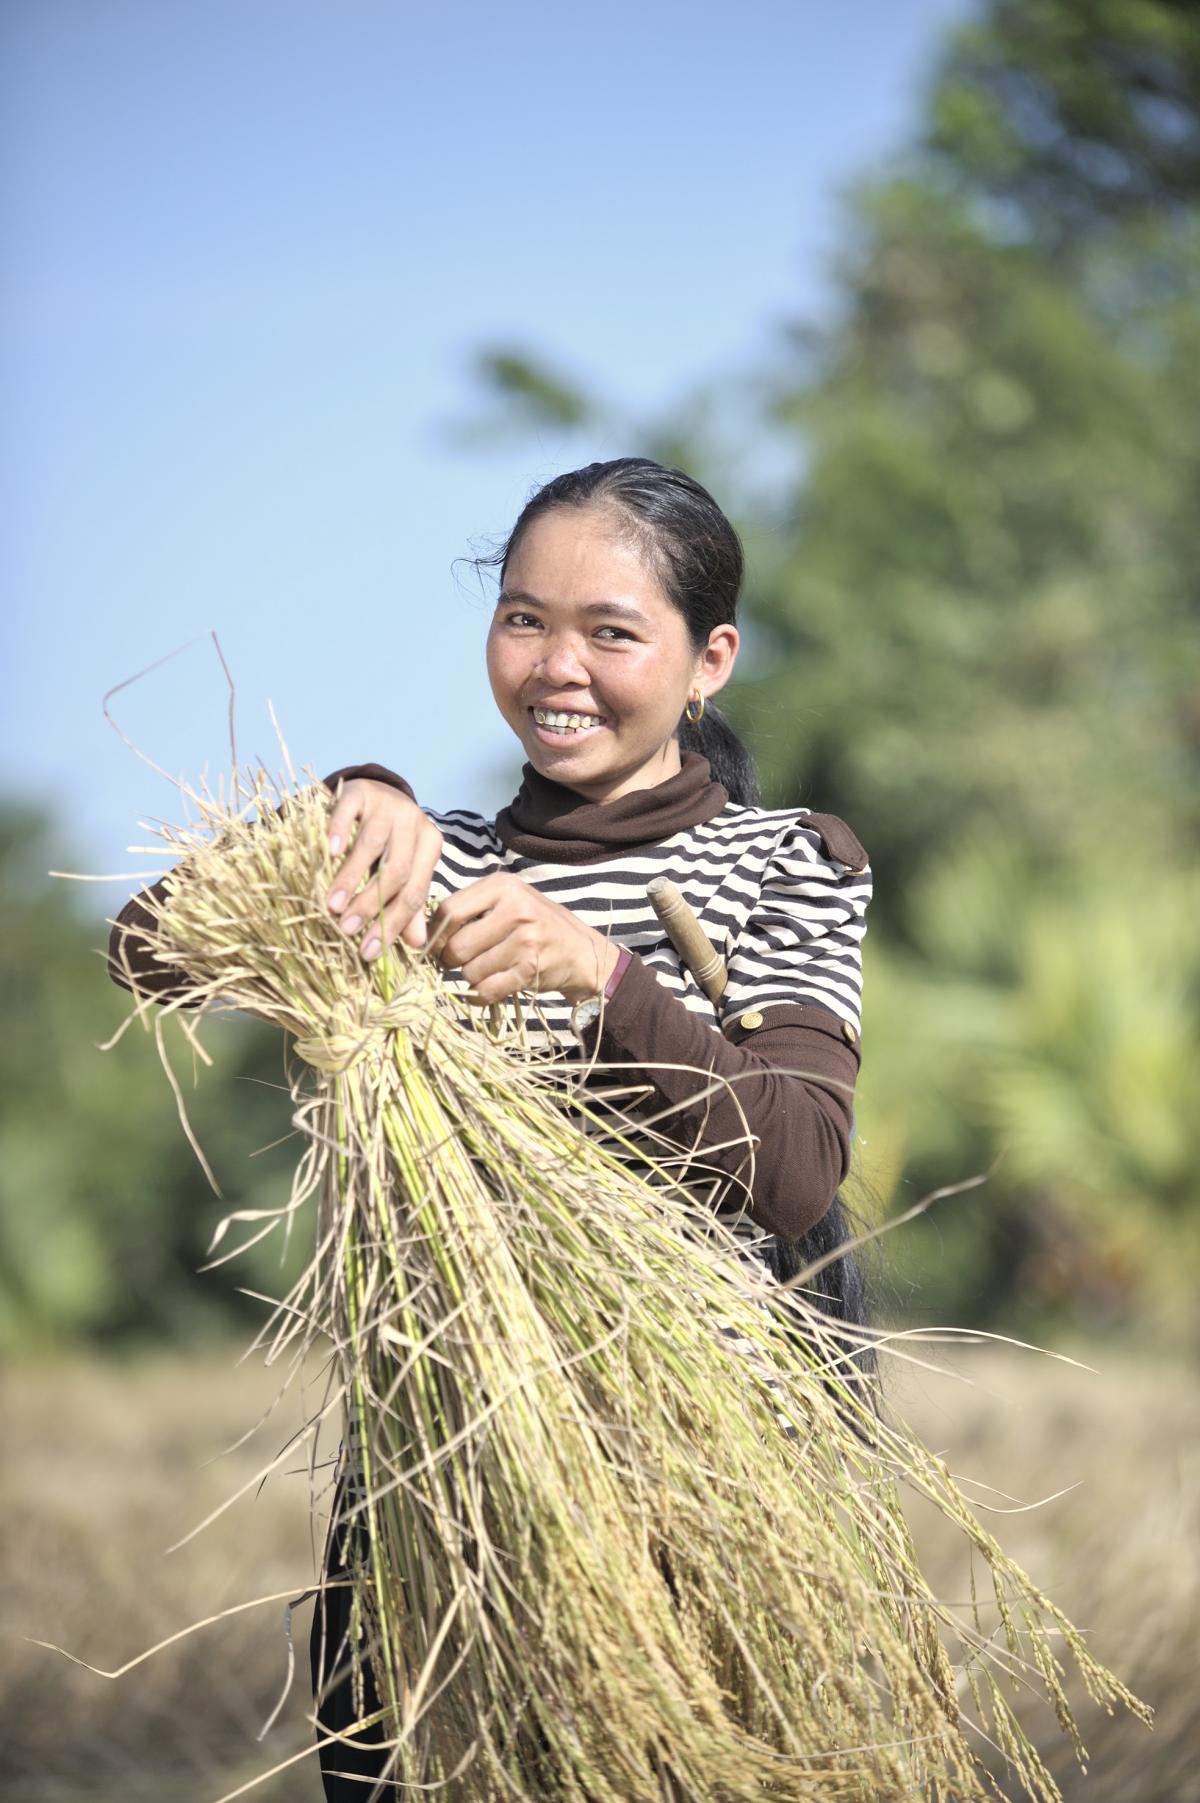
{"x": 506, "y": 936}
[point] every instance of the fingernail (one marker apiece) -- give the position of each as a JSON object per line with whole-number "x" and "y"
{"x": 337, "y": 901}
{"x": 419, "y": 934}
{"x": 335, "y": 843}
{"x": 372, "y": 948}
{"x": 352, "y": 923}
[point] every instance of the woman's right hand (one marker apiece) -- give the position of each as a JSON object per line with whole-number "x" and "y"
{"x": 387, "y": 830}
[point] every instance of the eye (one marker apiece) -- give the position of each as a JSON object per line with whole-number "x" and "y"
{"x": 520, "y": 619}
{"x": 618, "y": 632}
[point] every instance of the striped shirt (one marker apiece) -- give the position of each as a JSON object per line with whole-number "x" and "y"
{"x": 785, "y": 915}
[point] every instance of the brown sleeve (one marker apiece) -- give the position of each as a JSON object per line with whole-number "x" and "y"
{"x": 128, "y": 944}
{"x": 793, "y": 1077}
{"x": 374, "y": 773}
{"x": 129, "y": 952}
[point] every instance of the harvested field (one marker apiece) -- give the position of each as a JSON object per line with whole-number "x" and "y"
{"x": 105, "y": 1467}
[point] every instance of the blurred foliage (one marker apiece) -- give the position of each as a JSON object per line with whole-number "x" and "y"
{"x": 105, "y": 1214}
{"x": 1047, "y": 1036}
{"x": 1072, "y": 115}
{"x": 970, "y": 509}
{"x": 528, "y": 397}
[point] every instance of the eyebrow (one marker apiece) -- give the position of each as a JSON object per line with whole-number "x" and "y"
{"x": 618, "y": 610}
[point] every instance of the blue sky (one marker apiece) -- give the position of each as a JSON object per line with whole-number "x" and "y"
{"x": 253, "y": 246}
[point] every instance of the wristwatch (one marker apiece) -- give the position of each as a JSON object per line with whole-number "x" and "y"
{"x": 585, "y": 1014}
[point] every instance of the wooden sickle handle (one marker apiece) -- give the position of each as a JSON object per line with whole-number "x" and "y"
{"x": 688, "y": 937}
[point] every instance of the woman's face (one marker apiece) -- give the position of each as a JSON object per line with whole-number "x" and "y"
{"x": 583, "y": 628}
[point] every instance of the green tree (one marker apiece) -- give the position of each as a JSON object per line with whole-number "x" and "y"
{"x": 1074, "y": 117}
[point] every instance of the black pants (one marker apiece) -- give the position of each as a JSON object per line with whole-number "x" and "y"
{"x": 362, "y": 1759}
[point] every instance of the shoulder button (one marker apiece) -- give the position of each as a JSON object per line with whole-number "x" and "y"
{"x": 751, "y": 1020}
{"x": 848, "y": 1033}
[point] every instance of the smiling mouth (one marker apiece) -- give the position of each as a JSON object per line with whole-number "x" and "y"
{"x": 557, "y": 727}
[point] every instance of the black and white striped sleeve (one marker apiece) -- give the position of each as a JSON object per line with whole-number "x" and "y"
{"x": 802, "y": 943}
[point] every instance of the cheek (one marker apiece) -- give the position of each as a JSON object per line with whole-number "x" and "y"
{"x": 657, "y": 681}
{"x": 501, "y": 668}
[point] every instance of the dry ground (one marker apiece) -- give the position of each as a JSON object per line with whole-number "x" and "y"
{"x": 105, "y": 1466}
{"x": 1120, "y": 1553}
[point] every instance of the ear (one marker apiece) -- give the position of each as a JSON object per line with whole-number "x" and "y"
{"x": 714, "y": 666}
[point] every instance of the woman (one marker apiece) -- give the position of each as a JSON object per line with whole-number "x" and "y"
{"x": 613, "y": 629}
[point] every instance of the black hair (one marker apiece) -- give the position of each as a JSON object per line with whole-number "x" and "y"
{"x": 698, "y": 558}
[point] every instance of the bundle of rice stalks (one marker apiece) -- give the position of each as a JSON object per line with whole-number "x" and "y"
{"x": 614, "y": 1536}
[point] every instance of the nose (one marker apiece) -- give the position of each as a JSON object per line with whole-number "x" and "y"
{"x": 560, "y": 662}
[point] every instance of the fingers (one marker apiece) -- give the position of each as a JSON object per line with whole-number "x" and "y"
{"x": 456, "y": 949}
{"x": 343, "y": 814}
{"x": 481, "y": 897}
{"x": 503, "y": 969}
{"x": 403, "y": 916}
{"x": 398, "y": 840}
{"x": 502, "y": 935}
{"x": 357, "y": 807}
{"x": 501, "y": 985}
{"x": 390, "y": 888}
{"x": 358, "y": 906}
{"x": 475, "y": 917}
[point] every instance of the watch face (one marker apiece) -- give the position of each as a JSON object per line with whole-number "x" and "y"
{"x": 585, "y": 1015}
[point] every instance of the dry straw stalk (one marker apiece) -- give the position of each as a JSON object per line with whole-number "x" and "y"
{"x": 624, "y": 1530}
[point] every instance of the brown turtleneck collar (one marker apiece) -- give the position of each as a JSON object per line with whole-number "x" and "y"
{"x": 555, "y": 825}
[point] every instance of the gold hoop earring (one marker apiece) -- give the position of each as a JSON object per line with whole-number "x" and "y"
{"x": 696, "y": 717}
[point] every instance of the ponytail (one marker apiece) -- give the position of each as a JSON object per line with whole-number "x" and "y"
{"x": 728, "y": 759}
{"x": 839, "y": 1289}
